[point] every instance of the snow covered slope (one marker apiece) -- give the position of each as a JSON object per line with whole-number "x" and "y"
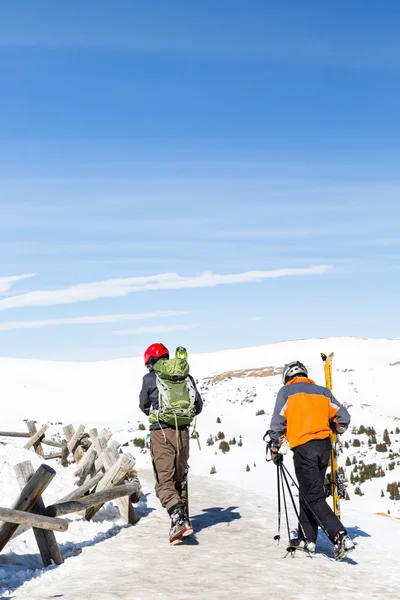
{"x": 239, "y": 388}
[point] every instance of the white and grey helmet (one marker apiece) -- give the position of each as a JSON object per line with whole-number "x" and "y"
{"x": 293, "y": 369}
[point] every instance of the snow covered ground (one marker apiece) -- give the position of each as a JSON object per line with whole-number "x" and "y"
{"x": 365, "y": 376}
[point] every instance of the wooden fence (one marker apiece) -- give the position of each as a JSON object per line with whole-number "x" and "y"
{"x": 103, "y": 472}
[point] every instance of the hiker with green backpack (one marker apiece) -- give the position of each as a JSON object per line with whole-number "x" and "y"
{"x": 170, "y": 399}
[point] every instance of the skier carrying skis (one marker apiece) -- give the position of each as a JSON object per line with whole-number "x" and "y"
{"x": 170, "y": 399}
{"x": 304, "y": 413}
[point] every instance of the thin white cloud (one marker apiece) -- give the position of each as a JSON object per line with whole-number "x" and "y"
{"x": 7, "y": 282}
{"x": 89, "y": 320}
{"x": 259, "y": 234}
{"x": 129, "y": 285}
{"x": 154, "y": 329}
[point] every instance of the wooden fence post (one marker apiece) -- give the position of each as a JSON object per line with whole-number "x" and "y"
{"x": 64, "y": 453}
{"x": 32, "y": 430}
{"x": 46, "y": 540}
{"x": 72, "y": 438}
{"x": 28, "y": 497}
{"x": 124, "y": 504}
{"x": 36, "y": 437}
{"x": 113, "y": 477}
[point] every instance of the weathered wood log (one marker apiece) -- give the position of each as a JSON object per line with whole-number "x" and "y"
{"x": 89, "y": 457}
{"x": 28, "y": 497}
{"x": 85, "y": 442}
{"x": 93, "y": 433}
{"x": 69, "y": 432}
{"x": 112, "y": 478}
{"x": 100, "y": 445}
{"x": 85, "y": 487}
{"x": 16, "y": 434}
{"x": 52, "y": 455}
{"x": 85, "y": 470}
{"x": 125, "y": 507}
{"x": 46, "y": 540}
{"x": 106, "y": 434}
{"x": 20, "y": 517}
{"x": 65, "y": 508}
{"x": 114, "y": 447}
{"x": 32, "y": 430}
{"x": 31, "y": 442}
{"x": 53, "y": 443}
{"x": 64, "y": 453}
{"x": 74, "y": 441}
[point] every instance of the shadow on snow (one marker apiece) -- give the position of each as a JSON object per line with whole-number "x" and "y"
{"x": 213, "y": 516}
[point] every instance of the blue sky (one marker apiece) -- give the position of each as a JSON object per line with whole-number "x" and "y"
{"x": 212, "y": 174}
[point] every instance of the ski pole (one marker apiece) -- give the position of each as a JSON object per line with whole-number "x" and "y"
{"x": 278, "y": 480}
{"x": 306, "y": 502}
{"x": 294, "y": 504}
{"x": 285, "y": 505}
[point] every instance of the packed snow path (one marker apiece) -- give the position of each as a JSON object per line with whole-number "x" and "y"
{"x": 232, "y": 555}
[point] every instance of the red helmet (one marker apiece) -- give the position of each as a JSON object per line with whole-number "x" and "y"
{"x": 154, "y": 352}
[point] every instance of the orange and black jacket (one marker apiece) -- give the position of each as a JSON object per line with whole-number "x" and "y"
{"x": 304, "y": 411}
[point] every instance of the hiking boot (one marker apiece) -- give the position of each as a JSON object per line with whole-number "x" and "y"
{"x": 342, "y": 545}
{"x": 302, "y": 544}
{"x": 177, "y": 531}
{"x": 187, "y": 526}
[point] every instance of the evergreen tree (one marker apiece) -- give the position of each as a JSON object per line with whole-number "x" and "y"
{"x": 386, "y": 437}
{"x": 381, "y": 448}
{"x": 394, "y": 491}
{"x": 224, "y": 447}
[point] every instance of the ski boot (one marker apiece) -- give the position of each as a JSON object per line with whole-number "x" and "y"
{"x": 176, "y": 533}
{"x": 187, "y": 526}
{"x": 301, "y": 544}
{"x": 342, "y": 545}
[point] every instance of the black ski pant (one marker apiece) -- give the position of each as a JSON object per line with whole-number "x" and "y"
{"x": 310, "y": 462}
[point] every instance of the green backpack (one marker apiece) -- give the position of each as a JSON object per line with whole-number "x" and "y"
{"x": 176, "y": 393}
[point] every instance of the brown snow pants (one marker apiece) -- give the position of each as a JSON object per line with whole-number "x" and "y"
{"x": 169, "y": 467}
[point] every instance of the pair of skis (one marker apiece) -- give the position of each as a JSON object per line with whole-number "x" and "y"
{"x": 335, "y": 486}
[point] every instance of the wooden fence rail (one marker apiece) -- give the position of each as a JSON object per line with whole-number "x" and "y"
{"x": 65, "y": 508}
{"x": 20, "y": 517}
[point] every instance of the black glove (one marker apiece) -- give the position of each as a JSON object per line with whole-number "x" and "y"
{"x": 276, "y": 456}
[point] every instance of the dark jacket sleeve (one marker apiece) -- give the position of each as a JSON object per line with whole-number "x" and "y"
{"x": 278, "y": 421}
{"x": 198, "y": 401}
{"x": 144, "y": 399}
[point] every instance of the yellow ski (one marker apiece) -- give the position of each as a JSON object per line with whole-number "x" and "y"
{"x": 333, "y": 478}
